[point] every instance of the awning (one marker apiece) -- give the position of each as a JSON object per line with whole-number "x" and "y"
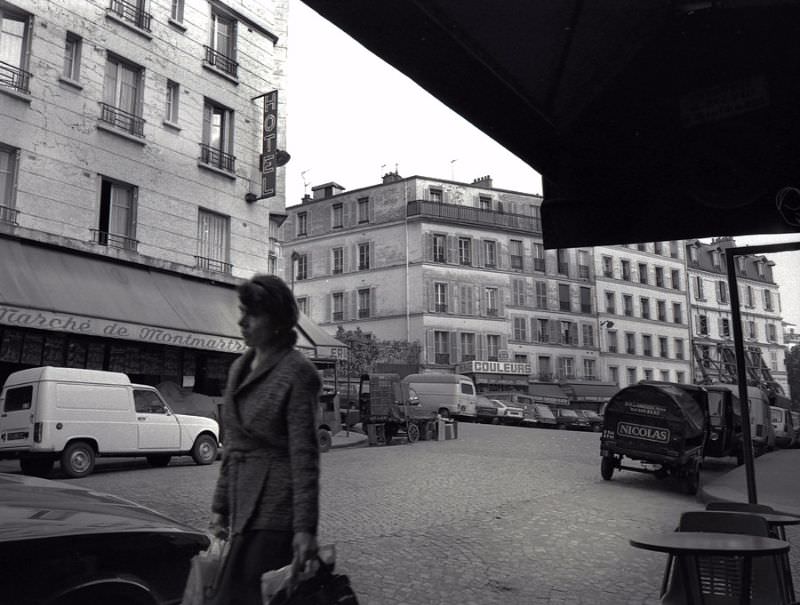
{"x": 588, "y": 391}
{"x": 507, "y": 379}
{"x": 548, "y": 393}
{"x": 48, "y": 288}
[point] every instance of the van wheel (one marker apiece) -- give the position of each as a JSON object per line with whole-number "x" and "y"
{"x": 325, "y": 440}
{"x": 77, "y": 460}
{"x": 158, "y": 460}
{"x": 606, "y": 467}
{"x": 36, "y": 467}
{"x": 412, "y": 433}
{"x": 444, "y": 413}
{"x": 204, "y": 450}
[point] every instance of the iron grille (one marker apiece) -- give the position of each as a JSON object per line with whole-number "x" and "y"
{"x": 132, "y": 13}
{"x": 123, "y": 120}
{"x": 14, "y": 77}
{"x": 114, "y": 240}
{"x": 216, "y": 158}
{"x": 221, "y": 62}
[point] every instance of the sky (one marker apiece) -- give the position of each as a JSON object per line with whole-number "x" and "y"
{"x": 352, "y": 118}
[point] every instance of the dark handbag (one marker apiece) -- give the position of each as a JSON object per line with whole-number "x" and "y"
{"x": 323, "y": 588}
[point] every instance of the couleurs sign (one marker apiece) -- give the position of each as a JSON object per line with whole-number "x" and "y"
{"x": 494, "y": 367}
{"x": 93, "y": 326}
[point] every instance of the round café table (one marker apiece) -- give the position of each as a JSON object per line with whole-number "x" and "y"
{"x": 683, "y": 544}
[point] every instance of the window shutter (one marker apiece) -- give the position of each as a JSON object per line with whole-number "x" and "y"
{"x": 347, "y": 220}
{"x": 476, "y": 245}
{"x": 476, "y": 298}
{"x": 501, "y": 301}
{"x": 430, "y": 347}
{"x": 371, "y": 210}
{"x": 552, "y": 325}
{"x": 329, "y": 307}
{"x": 373, "y": 303}
{"x": 502, "y": 256}
{"x": 480, "y": 347}
{"x": 453, "y": 298}
{"x": 479, "y": 256}
{"x": 452, "y": 250}
{"x": 573, "y": 333}
{"x": 719, "y": 327}
{"x": 354, "y": 304}
{"x": 504, "y": 341}
{"x": 431, "y": 296}
{"x": 110, "y": 86}
{"x": 372, "y": 255}
{"x": 428, "y": 247}
{"x": 453, "y": 347}
{"x": 329, "y": 268}
{"x": 309, "y": 265}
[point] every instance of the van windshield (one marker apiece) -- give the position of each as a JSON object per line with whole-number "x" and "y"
{"x": 467, "y": 389}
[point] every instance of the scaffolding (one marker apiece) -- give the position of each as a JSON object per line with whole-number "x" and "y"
{"x": 722, "y": 367}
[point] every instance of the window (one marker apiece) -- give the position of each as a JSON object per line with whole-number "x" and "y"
{"x": 760, "y": 268}
{"x": 467, "y": 346}
{"x": 213, "y": 241}
{"x": 515, "y": 253}
{"x": 492, "y": 346}
{"x": 715, "y": 258}
{"x": 648, "y": 374}
{"x": 663, "y": 346}
{"x": 439, "y": 248}
{"x": 702, "y": 325}
{"x": 768, "y": 300}
{"x": 520, "y": 329}
{"x": 564, "y": 299}
{"x": 673, "y": 249}
{"x": 583, "y": 264}
{"x": 562, "y": 262}
{"x": 677, "y": 313}
{"x": 221, "y": 52}
{"x": 441, "y": 347}
{"x": 566, "y": 367}
{"x": 14, "y": 40}
{"x": 435, "y": 194}
{"x": 661, "y": 310}
{"x": 466, "y": 300}
{"x": 176, "y": 11}
{"x": 363, "y": 256}
{"x": 302, "y": 304}
{"x": 217, "y": 147}
{"x": 613, "y": 374}
{"x": 520, "y": 358}
{"x": 626, "y": 270}
{"x": 659, "y": 276}
{"x": 301, "y": 267}
{"x": 647, "y": 345}
{"x": 72, "y": 57}
{"x": 641, "y": 247}
{"x": 490, "y": 253}
{"x": 337, "y": 261}
{"x": 484, "y": 202}
{"x": 364, "y": 310}
{"x": 568, "y": 333}
{"x": 541, "y": 330}
{"x": 608, "y": 267}
{"x": 773, "y": 360}
{"x": 440, "y": 297}
{"x": 116, "y": 226}
{"x": 336, "y": 216}
{"x": 589, "y": 369}
{"x": 665, "y": 375}
{"x": 545, "y": 369}
{"x": 752, "y": 332}
{"x": 613, "y": 344}
{"x": 676, "y": 279}
{"x": 678, "y": 348}
{"x": 698, "y": 288}
{"x": 680, "y": 376}
{"x": 491, "y": 302}
{"x": 658, "y": 248}
{"x": 627, "y": 305}
{"x": 588, "y": 335}
{"x": 302, "y": 223}
{"x": 642, "y": 273}
{"x": 464, "y": 251}
{"x": 725, "y": 328}
{"x": 363, "y": 210}
{"x": 541, "y": 294}
{"x": 147, "y": 402}
{"x": 644, "y": 307}
{"x": 122, "y": 92}
{"x": 8, "y": 184}
{"x": 771, "y": 333}
{"x": 538, "y": 257}
{"x": 337, "y": 300}
{"x": 518, "y": 292}
{"x": 586, "y": 299}
{"x": 173, "y": 98}
{"x": 631, "y": 372}
{"x": 692, "y": 250}
{"x": 749, "y": 297}
{"x": 611, "y": 303}
{"x": 630, "y": 343}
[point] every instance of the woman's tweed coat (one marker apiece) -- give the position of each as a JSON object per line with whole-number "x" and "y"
{"x": 269, "y": 477}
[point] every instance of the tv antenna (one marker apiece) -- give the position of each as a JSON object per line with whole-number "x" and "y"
{"x": 305, "y": 182}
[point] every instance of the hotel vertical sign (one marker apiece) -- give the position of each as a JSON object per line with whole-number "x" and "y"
{"x": 269, "y": 148}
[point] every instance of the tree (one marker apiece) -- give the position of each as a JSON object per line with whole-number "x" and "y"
{"x": 366, "y": 352}
{"x": 793, "y": 374}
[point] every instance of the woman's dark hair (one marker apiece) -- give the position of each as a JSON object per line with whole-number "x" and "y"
{"x": 269, "y": 295}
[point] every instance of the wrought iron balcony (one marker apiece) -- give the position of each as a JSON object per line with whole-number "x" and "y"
{"x": 8, "y": 214}
{"x": 132, "y": 13}
{"x": 212, "y": 264}
{"x": 123, "y": 120}
{"x": 14, "y": 77}
{"x": 222, "y": 62}
{"x": 217, "y": 159}
{"x": 469, "y": 215}
{"x": 114, "y": 240}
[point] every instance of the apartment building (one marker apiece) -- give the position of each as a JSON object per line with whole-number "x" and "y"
{"x": 712, "y": 323}
{"x": 130, "y": 181}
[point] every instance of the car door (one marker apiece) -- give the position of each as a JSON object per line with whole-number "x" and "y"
{"x": 158, "y": 428}
{"x": 17, "y": 415}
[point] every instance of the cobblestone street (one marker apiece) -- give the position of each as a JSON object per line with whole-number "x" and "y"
{"x": 502, "y": 515}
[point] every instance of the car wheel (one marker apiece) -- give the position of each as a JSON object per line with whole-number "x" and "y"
{"x": 412, "y": 433}
{"x": 77, "y": 460}
{"x": 597, "y": 428}
{"x": 607, "y": 467}
{"x": 36, "y": 467}
{"x": 204, "y": 450}
{"x": 325, "y": 440}
{"x": 158, "y": 460}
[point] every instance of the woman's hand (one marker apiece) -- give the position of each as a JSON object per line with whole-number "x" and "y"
{"x": 218, "y": 526}
{"x": 304, "y": 546}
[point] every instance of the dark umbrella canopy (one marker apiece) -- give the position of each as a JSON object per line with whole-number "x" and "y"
{"x": 649, "y": 120}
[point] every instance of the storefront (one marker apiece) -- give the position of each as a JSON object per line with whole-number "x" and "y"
{"x": 589, "y": 395}
{"x": 548, "y": 393}
{"x": 496, "y": 375}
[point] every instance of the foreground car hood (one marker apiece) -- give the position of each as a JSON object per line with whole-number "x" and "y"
{"x": 32, "y": 508}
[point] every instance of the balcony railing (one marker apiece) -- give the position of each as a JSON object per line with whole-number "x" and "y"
{"x": 132, "y": 13}
{"x": 221, "y": 62}
{"x": 8, "y": 214}
{"x": 114, "y": 240}
{"x": 14, "y": 77}
{"x": 217, "y": 159}
{"x": 123, "y": 120}
{"x": 212, "y": 264}
{"x": 473, "y": 216}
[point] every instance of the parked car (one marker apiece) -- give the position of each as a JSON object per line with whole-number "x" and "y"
{"x": 595, "y": 420}
{"x": 570, "y": 419}
{"x": 782, "y": 425}
{"x": 508, "y": 414}
{"x": 487, "y": 410}
{"x": 796, "y": 424}
{"x": 67, "y": 545}
{"x": 539, "y": 414}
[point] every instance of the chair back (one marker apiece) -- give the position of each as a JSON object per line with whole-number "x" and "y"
{"x": 742, "y": 507}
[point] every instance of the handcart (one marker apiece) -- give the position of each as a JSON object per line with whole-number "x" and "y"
{"x": 389, "y": 409}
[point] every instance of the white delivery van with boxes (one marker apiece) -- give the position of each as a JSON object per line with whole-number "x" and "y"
{"x": 74, "y": 416}
{"x": 451, "y": 395}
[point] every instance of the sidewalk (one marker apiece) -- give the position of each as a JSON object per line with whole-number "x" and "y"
{"x": 777, "y": 480}
{"x": 348, "y": 439}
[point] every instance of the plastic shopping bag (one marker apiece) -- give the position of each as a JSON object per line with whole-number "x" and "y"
{"x": 204, "y": 573}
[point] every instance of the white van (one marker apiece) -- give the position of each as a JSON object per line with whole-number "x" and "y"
{"x": 451, "y": 395}
{"x": 74, "y": 416}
